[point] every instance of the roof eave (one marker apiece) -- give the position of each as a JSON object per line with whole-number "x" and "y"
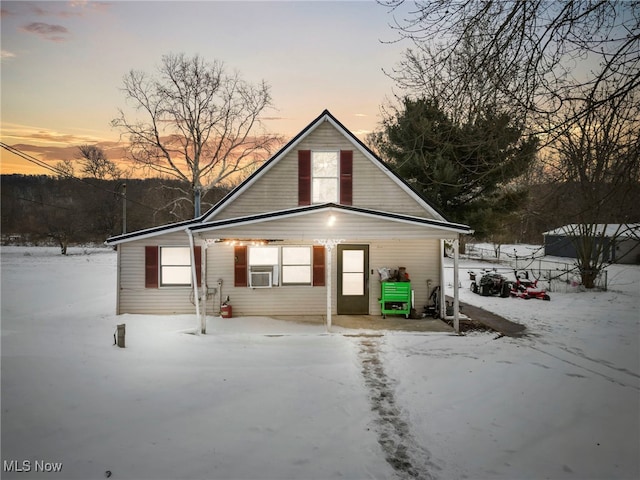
{"x": 288, "y": 213}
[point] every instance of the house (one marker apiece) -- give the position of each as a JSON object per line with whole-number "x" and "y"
{"x": 621, "y": 241}
{"x": 304, "y": 234}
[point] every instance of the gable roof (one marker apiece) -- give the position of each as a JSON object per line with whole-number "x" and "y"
{"x": 325, "y": 116}
{"x": 207, "y": 219}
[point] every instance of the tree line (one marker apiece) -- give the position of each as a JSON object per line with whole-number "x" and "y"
{"x": 65, "y": 210}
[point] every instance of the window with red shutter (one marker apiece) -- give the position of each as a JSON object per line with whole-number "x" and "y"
{"x": 152, "y": 262}
{"x": 240, "y": 266}
{"x": 197, "y": 251}
{"x": 346, "y": 177}
{"x": 151, "y": 266}
{"x": 318, "y": 266}
{"x": 304, "y": 177}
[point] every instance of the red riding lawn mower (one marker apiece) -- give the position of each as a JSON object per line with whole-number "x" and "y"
{"x": 525, "y": 288}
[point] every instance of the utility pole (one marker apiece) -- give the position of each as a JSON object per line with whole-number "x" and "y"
{"x": 197, "y": 190}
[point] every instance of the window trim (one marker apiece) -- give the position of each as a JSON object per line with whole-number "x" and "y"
{"x": 277, "y": 269}
{"x": 336, "y": 178}
{"x": 161, "y": 267}
{"x": 309, "y": 248}
{"x": 272, "y": 268}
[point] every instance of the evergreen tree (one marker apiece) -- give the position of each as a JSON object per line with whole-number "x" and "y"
{"x": 468, "y": 171}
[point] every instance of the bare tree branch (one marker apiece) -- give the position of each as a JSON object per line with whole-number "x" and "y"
{"x": 534, "y": 55}
{"x": 200, "y": 123}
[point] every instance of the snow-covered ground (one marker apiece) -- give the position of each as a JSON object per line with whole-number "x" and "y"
{"x": 266, "y": 399}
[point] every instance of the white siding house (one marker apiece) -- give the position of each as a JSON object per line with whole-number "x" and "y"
{"x": 262, "y": 245}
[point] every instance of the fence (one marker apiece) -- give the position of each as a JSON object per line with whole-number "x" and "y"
{"x": 555, "y": 276}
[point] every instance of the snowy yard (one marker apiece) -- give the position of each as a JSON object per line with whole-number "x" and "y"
{"x": 265, "y": 399}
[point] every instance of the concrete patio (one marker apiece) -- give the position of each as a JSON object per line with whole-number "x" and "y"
{"x": 373, "y": 322}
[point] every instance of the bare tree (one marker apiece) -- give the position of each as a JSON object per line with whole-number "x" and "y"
{"x": 95, "y": 164}
{"x": 65, "y": 168}
{"x": 532, "y": 55}
{"x": 201, "y": 124}
{"x": 599, "y": 155}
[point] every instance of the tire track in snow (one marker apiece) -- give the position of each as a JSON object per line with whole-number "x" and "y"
{"x": 619, "y": 376}
{"x": 401, "y": 450}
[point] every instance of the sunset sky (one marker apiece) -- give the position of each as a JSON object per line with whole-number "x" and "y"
{"x": 63, "y": 62}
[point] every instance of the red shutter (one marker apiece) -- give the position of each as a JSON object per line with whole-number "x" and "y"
{"x": 318, "y": 266}
{"x": 304, "y": 177}
{"x": 151, "y": 267}
{"x": 240, "y": 266}
{"x": 197, "y": 252}
{"x": 346, "y": 177}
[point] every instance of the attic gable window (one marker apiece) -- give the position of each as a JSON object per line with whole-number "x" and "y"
{"x": 324, "y": 174}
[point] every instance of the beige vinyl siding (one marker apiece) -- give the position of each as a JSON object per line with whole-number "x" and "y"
{"x": 312, "y": 226}
{"x": 133, "y": 296}
{"x": 421, "y": 257}
{"x": 246, "y": 301}
{"x": 277, "y": 189}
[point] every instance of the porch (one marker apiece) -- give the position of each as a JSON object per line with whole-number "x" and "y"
{"x": 365, "y": 322}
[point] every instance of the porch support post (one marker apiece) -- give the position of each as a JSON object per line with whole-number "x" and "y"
{"x": 329, "y": 249}
{"x": 203, "y": 285}
{"x": 456, "y": 281}
{"x": 443, "y": 297}
{"x": 329, "y": 243}
{"x": 194, "y": 280}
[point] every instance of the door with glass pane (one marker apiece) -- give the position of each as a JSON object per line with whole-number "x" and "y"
{"x": 353, "y": 284}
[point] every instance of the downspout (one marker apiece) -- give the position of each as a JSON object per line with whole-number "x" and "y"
{"x": 329, "y": 286}
{"x": 118, "y": 277}
{"x": 194, "y": 280}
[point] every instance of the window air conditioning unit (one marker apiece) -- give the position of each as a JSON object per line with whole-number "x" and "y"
{"x": 260, "y": 279}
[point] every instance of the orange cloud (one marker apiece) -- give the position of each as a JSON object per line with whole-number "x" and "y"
{"x": 17, "y": 133}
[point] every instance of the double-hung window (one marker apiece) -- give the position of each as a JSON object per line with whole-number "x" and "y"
{"x": 175, "y": 266}
{"x": 271, "y": 266}
{"x": 296, "y": 266}
{"x": 324, "y": 174}
{"x": 263, "y": 266}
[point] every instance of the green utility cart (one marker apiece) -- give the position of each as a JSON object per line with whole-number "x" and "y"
{"x": 395, "y": 298}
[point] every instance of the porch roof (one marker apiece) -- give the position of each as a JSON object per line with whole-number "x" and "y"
{"x": 313, "y": 220}
{"x": 425, "y": 226}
